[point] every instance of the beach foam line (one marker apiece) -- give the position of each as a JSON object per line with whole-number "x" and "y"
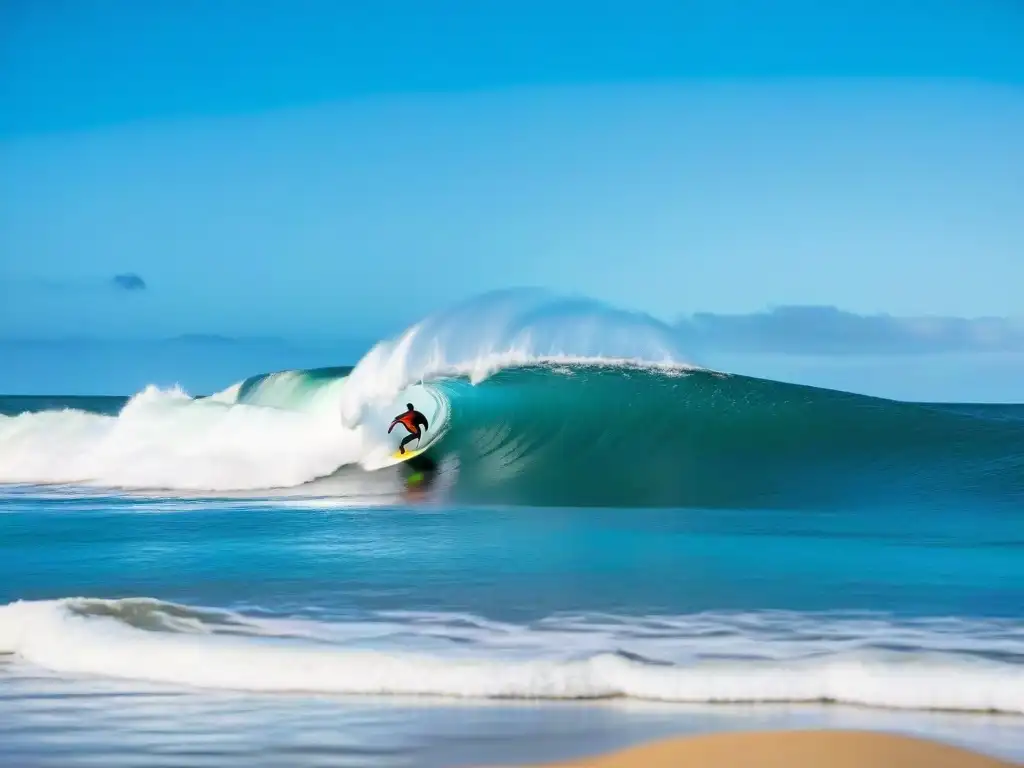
{"x": 792, "y": 749}
{"x": 147, "y": 639}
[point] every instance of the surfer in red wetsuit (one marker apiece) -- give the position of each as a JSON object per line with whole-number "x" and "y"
{"x": 411, "y": 420}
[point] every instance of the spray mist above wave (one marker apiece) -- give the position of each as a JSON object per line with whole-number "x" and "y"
{"x": 506, "y": 329}
{"x": 752, "y": 657}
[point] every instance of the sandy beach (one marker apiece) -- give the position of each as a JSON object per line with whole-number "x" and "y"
{"x": 791, "y": 749}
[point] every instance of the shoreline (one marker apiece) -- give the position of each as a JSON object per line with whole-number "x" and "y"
{"x": 825, "y": 748}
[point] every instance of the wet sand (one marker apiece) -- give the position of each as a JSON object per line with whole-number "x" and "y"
{"x": 792, "y": 749}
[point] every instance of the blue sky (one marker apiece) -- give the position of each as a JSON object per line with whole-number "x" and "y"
{"x": 72, "y": 63}
{"x": 330, "y": 169}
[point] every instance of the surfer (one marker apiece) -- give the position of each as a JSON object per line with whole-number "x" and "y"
{"x": 411, "y": 420}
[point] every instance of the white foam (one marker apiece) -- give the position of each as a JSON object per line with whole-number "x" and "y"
{"x": 164, "y": 439}
{"x": 463, "y": 656}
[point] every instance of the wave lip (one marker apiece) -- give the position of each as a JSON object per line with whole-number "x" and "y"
{"x": 969, "y": 667}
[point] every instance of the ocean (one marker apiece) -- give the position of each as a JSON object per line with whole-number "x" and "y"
{"x": 598, "y": 546}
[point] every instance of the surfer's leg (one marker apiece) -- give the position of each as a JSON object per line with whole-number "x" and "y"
{"x": 407, "y": 439}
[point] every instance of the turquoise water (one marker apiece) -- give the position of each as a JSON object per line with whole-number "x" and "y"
{"x": 589, "y": 555}
{"x": 509, "y": 564}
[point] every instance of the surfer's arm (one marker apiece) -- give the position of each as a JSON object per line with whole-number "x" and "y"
{"x": 423, "y": 421}
{"x": 392, "y": 426}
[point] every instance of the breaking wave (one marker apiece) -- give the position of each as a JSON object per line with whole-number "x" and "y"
{"x": 534, "y": 400}
{"x": 942, "y": 664}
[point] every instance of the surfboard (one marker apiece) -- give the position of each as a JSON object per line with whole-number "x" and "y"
{"x": 408, "y": 454}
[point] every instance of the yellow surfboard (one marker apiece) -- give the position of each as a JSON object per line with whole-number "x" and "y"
{"x": 407, "y": 455}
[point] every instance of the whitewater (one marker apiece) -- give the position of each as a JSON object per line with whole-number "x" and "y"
{"x": 968, "y": 666}
{"x": 604, "y": 538}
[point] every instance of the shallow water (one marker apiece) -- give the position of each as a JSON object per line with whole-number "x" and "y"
{"x": 274, "y": 604}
